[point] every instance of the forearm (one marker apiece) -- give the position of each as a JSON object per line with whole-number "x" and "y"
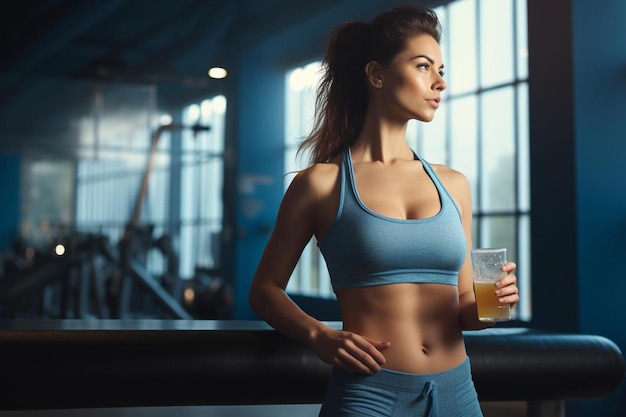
{"x": 275, "y": 307}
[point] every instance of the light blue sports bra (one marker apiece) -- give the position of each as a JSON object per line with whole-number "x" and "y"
{"x": 364, "y": 248}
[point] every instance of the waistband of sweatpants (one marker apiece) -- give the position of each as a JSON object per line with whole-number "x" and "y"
{"x": 404, "y": 381}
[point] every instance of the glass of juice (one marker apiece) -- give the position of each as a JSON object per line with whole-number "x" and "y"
{"x": 487, "y": 266}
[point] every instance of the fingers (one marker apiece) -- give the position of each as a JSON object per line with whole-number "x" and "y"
{"x": 377, "y": 344}
{"x": 374, "y": 349}
{"x": 361, "y": 354}
{"x": 509, "y": 267}
{"x": 356, "y": 362}
{"x": 507, "y": 290}
{"x": 368, "y": 354}
{"x": 508, "y": 295}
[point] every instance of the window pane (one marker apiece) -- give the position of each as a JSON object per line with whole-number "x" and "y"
{"x": 497, "y": 157}
{"x": 522, "y": 39}
{"x": 432, "y": 139}
{"x": 157, "y": 197}
{"x": 523, "y": 269}
{"x": 461, "y": 45}
{"x": 523, "y": 157}
{"x": 189, "y": 187}
{"x": 309, "y": 276}
{"x": 187, "y": 250}
{"x": 300, "y": 101}
{"x": 47, "y": 207}
{"x": 496, "y": 42}
{"x": 412, "y": 135}
{"x": 499, "y": 232}
{"x": 464, "y": 141}
{"x": 202, "y": 174}
{"x": 212, "y": 113}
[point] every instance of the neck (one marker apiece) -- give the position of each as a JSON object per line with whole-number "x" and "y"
{"x": 381, "y": 140}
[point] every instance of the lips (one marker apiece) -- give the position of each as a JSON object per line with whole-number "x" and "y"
{"x": 434, "y": 101}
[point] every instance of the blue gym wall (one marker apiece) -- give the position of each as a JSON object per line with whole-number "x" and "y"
{"x": 577, "y": 91}
{"x": 600, "y": 126}
{"x": 259, "y": 164}
{"x": 9, "y": 198}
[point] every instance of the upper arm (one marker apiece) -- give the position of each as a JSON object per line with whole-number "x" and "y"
{"x": 466, "y": 282}
{"x": 458, "y": 186}
{"x": 294, "y": 227}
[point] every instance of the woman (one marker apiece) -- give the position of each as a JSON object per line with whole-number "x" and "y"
{"x": 395, "y": 231}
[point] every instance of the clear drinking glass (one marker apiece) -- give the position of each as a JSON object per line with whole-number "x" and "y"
{"x": 487, "y": 266}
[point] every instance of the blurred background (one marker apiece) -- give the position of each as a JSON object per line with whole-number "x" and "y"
{"x": 145, "y": 147}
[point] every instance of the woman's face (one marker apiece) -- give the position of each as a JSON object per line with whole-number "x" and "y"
{"x": 412, "y": 83}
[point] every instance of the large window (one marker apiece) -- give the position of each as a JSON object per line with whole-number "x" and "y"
{"x": 481, "y": 130}
{"x": 109, "y": 185}
{"x": 182, "y": 203}
{"x": 310, "y": 276}
{"x": 201, "y": 186}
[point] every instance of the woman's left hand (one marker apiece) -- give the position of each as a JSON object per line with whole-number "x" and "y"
{"x": 506, "y": 287}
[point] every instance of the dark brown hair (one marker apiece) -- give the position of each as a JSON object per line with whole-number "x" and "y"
{"x": 342, "y": 99}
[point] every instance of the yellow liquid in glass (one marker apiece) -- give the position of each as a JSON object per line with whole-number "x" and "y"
{"x": 489, "y": 308}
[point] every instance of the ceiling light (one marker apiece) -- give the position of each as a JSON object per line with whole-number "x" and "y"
{"x": 217, "y": 72}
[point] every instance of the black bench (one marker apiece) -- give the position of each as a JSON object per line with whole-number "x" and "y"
{"x": 108, "y": 363}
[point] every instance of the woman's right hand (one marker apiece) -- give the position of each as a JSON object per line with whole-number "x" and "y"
{"x": 350, "y": 351}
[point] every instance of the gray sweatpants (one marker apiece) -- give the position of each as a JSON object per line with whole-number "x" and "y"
{"x": 391, "y": 393}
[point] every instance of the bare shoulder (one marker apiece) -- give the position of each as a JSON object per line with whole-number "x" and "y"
{"x": 314, "y": 193}
{"x": 450, "y": 177}
{"x": 317, "y": 181}
{"x": 456, "y": 183}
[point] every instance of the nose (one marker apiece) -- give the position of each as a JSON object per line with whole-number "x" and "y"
{"x": 439, "y": 83}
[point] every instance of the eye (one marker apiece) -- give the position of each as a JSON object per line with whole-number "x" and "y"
{"x": 423, "y": 66}
{"x": 442, "y": 73}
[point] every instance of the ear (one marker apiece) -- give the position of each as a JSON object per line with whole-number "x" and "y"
{"x": 374, "y": 73}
